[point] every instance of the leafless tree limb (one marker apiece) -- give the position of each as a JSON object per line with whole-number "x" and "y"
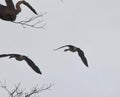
{"x": 19, "y": 92}
{"x": 30, "y": 21}
{"x": 4, "y": 86}
{"x": 38, "y": 90}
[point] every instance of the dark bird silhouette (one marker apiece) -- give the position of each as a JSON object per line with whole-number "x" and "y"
{"x": 22, "y": 57}
{"x": 9, "y": 12}
{"x": 75, "y": 49}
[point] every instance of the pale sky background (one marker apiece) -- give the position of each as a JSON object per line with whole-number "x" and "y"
{"x": 92, "y": 25}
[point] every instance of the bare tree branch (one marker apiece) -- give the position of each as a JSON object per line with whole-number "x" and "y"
{"x": 19, "y": 92}
{"x": 32, "y": 19}
{"x": 5, "y": 87}
{"x": 36, "y": 90}
{"x": 16, "y": 89}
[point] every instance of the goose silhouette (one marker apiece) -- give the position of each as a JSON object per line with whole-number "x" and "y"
{"x": 75, "y": 49}
{"x": 21, "y": 58}
{"x": 9, "y": 12}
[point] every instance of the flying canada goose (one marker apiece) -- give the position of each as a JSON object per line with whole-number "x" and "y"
{"x": 9, "y": 12}
{"x": 22, "y": 57}
{"x": 75, "y": 49}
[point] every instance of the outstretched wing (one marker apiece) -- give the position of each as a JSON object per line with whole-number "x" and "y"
{"x": 70, "y": 46}
{"x": 29, "y": 6}
{"x": 32, "y": 65}
{"x": 82, "y": 56}
{"x": 10, "y": 4}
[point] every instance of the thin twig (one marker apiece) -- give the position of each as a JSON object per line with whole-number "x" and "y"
{"x": 18, "y": 92}
{"x": 28, "y": 22}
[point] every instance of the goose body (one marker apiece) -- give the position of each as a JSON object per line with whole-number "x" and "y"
{"x": 19, "y": 57}
{"x": 9, "y": 12}
{"x": 75, "y": 49}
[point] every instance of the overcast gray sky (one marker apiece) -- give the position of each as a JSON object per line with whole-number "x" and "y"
{"x": 92, "y": 25}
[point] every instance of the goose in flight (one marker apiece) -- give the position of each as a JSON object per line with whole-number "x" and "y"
{"x": 75, "y": 49}
{"x": 9, "y": 12}
{"x": 22, "y": 57}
